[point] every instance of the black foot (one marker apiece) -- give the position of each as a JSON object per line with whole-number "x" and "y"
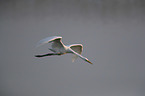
{"x": 39, "y": 55}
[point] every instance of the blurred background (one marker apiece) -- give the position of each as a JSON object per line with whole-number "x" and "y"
{"x": 111, "y": 31}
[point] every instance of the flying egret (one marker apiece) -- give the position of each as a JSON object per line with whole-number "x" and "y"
{"x": 58, "y": 48}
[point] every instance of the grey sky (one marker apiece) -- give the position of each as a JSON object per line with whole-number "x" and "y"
{"x": 112, "y": 33}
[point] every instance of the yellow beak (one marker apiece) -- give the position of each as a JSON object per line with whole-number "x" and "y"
{"x": 89, "y": 61}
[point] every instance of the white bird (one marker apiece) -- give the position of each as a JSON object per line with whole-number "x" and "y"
{"x": 58, "y": 48}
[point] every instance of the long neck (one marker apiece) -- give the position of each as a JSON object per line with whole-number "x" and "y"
{"x": 72, "y": 51}
{"x": 84, "y": 58}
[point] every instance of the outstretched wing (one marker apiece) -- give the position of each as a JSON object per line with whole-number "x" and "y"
{"x": 48, "y": 40}
{"x": 56, "y": 42}
{"x": 77, "y": 48}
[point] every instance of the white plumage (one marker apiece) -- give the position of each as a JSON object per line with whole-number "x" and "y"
{"x": 58, "y": 48}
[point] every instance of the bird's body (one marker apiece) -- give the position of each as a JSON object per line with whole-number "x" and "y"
{"x": 58, "y": 48}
